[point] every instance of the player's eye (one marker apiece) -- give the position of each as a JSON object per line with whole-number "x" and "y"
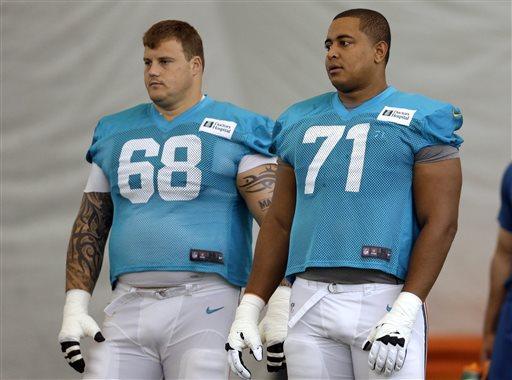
{"x": 165, "y": 61}
{"x": 345, "y": 43}
{"x": 327, "y": 46}
{"x": 147, "y": 62}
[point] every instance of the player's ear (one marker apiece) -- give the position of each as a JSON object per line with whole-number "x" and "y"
{"x": 380, "y": 51}
{"x": 197, "y": 65}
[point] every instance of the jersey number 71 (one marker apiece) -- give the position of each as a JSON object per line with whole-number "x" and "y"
{"x": 333, "y": 134}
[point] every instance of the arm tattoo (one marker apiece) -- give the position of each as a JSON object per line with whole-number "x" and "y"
{"x": 263, "y": 181}
{"x": 265, "y": 203}
{"x": 87, "y": 241}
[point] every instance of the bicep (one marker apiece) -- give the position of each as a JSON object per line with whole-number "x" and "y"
{"x": 282, "y": 209}
{"x": 256, "y": 187}
{"x": 437, "y": 187}
{"x": 96, "y": 206}
{"x": 97, "y": 202}
{"x": 97, "y": 181}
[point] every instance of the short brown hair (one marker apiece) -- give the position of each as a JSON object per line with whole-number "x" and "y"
{"x": 372, "y": 23}
{"x": 181, "y": 31}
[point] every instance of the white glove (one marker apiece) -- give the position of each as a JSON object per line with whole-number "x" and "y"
{"x": 388, "y": 340}
{"x": 76, "y": 324}
{"x": 274, "y": 327}
{"x": 244, "y": 333}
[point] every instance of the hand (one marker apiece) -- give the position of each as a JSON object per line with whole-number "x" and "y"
{"x": 76, "y": 324}
{"x": 274, "y": 327}
{"x": 244, "y": 333}
{"x": 388, "y": 340}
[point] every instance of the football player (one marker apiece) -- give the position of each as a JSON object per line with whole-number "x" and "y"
{"x": 497, "y": 338}
{"x": 364, "y": 212}
{"x": 175, "y": 183}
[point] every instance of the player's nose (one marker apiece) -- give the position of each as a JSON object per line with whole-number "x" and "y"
{"x": 332, "y": 53}
{"x": 153, "y": 71}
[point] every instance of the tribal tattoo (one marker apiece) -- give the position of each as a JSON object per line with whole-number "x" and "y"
{"x": 87, "y": 241}
{"x": 264, "y": 181}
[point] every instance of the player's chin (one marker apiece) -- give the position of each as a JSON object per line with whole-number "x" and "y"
{"x": 156, "y": 96}
{"x": 341, "y": 84}
{"x": 342, "y": 81}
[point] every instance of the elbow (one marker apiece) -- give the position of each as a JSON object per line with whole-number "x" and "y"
{"x": 451, "y": 230}
{"x": 450, "y": 225}
{"x": 445, "y": 229}
{"x": 276, "y": 225}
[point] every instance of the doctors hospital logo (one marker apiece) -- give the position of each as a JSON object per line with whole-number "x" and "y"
{"x": 402, "y": 116}
{"x": 221, "y": 128}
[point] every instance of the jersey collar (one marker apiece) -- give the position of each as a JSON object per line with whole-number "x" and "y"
{"x": 163, "y": 124}
{"x": 343, "y": 111}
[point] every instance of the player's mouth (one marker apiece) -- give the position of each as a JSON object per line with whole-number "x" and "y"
{"x": 334, "y": 69}
{"x": 155, "y": 84}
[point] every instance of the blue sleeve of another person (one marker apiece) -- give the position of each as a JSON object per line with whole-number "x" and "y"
{"x": 505, "y": 215}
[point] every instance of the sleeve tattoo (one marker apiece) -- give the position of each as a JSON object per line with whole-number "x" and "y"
{"x": 262, "y": 182}
{"x": 87, "y": 241}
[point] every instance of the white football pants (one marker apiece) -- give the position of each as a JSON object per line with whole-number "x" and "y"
{"x": 328, "y": 333}
{"x": 166, "y": 333}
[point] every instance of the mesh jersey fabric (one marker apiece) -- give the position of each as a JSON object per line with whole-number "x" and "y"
{"x": 354, "y": 201}
{"x": 173, "y": 186}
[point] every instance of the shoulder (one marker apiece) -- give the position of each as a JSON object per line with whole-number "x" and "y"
{"x": 424, "y": 107}
{"x": 436, "y": 120}
{"x": 123, "y": 120}
{"x": 249, "y": 128}
{"x": 307, "y": 108}
{"x": 242, "y": 116}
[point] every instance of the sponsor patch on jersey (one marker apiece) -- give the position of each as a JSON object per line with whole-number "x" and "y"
{"x": 402, "y": 116}
{"x": 374, "y": 252}
{"x": 206, "y": 256}
{"x": 221, "y": 128}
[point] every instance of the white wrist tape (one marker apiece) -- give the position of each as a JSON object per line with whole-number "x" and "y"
{"x": 77, "y": 302}
{"x": 274, "y": 325}
{"x": 76, "y": 322}
{"x": 280, "y": 298}
{"x": 250, "y": 307}
{"x": 244, "y": 330}
{"x": 405, "y": 309}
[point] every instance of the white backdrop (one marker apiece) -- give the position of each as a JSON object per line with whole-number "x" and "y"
{"x": 66, "y": 64}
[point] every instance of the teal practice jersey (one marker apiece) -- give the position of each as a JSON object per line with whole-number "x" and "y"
{"x": 173, "y": 185}
{"x": 354, "y": 169}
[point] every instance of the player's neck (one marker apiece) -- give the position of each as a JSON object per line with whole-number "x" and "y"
{"x": 171, "y": 111}
{"x": 357, "y": 97}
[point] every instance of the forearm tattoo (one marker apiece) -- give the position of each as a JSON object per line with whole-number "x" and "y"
{"x": 87, "y": 241}
{"x": 263, "y": 181}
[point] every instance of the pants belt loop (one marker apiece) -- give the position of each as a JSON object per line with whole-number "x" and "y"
{"x": 369, "y": 288}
